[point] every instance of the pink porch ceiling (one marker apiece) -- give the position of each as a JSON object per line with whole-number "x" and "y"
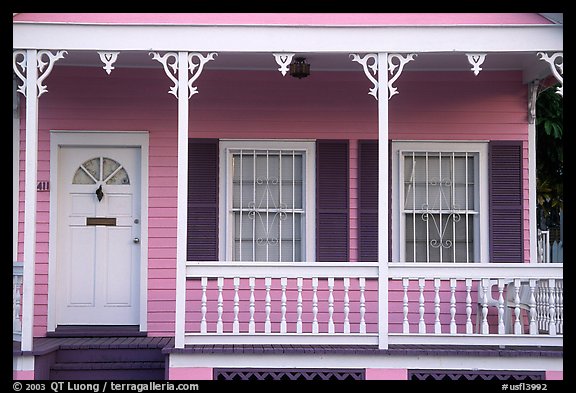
{"x": 256, "y": 104}
{"x": 296, "y": 19}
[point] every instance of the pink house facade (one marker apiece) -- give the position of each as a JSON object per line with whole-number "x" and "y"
{"x": 181, "y": 198}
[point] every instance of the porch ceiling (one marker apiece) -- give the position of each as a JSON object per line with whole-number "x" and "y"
{"x": 527, "y": 62}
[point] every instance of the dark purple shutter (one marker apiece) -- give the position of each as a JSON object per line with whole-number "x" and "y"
{"x": 505, "y": 177}
{"x": 368, "y": 201}
{"x": 332, "y": 202}
{"x": 202, "y": 242}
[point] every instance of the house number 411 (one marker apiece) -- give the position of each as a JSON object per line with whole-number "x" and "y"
{"x": 43, "y": 186}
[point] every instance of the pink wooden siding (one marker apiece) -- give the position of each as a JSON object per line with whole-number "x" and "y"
{"x": 257, "y": 104}
{"x": 320, "y": 19}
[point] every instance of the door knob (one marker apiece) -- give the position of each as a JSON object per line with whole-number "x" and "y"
{"x": 136, "y": 240}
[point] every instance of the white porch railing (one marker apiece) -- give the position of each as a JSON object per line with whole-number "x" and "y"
{"x": 280, "y": 303}
{"x": 480, "y": 304}
{"x": 337, "y": 303}
{"x": 17, "y": 270}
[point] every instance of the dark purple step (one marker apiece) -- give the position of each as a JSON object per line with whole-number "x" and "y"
{"x": 108, "y": 371}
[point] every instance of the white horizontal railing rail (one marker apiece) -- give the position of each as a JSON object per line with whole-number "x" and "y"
{"x": 279, "y": 303}
{"x": 17, "y": 271}
{"x": 479, "y": 304}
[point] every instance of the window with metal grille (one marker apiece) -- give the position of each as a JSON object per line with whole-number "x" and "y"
{"x": 440, "y": 214}
{"x": 267, "y": 211}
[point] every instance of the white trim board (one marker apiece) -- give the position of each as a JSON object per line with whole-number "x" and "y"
{"x": 467, "y": 38}
{"x": 59, "y": 138}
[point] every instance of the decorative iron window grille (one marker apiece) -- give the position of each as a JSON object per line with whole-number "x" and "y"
{"x": 268, "y": 205}
{"x": 289, "y": 375}
{"x": 440, "y": 206}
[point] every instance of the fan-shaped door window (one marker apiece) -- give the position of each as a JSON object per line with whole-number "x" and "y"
{"x": 101, "y": 170}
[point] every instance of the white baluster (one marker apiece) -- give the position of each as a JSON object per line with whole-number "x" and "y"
{"x": 533, "y": 322}
{"x": 453, "y": 328}
{"x": 517, "y": 324}
{"x": 485, "y": 286}
{"x": 252, "y": 324}
{"x": 469, "y": 327}
{"x": 330, "y": 305}
{"x": 501, "y": 325}
{"x": 346, "y": 305}
{"x": 204, "y": 306}
{"x": 268, "y": 306}
{"x": 552, "y": 307}
{"x": 315, "y": 305}
{"x": 544, "y": 305}
{"x": 299, "y": 281}
{"x": 362, "y": 284}
{"x": 422, "y": 323}
{"x": 236, "y": 324}
{"x": 560, "y": 307}
{"x": 219, "y": 324}
{"x": 437, "y": 325}
{"x": 283, "y": 283}
{"x": 405, "y": 323}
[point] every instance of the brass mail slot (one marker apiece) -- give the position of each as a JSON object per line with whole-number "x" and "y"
{"x": 111, "y": 222}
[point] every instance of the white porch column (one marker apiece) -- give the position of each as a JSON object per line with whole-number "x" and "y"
{"x": 30, "y": 199}
{"x": 182, "y": 209}
{"x": 383, "y": 200}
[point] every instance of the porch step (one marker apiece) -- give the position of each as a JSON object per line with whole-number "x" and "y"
{"x": 110, "y": 359}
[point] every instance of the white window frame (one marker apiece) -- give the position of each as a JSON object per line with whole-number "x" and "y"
{"x": 481, "y": 232}
{"x": 226, "y": 217}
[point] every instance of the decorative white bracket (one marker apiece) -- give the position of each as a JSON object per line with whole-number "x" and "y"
{"x": 391, "y": 67}
{"x": 283, "y": 60}
{"x": 43, "y": 72}
{"x": 370, "y": 65}
{"x": 194, "y": 68}
{"x": 476, "y": 60}
{"x": 373, "y": 91}
{"x": 108, "y": 58}
{"x": 555, "y": 67}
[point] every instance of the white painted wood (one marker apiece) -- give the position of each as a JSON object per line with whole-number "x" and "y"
{"x": 533, "y": 319}
{"x": 296, "y": 39}
{"x": 362, "y": 285}
{"x": 89, "y": 138}
{"x": 552, "y": 307}
{"x": 277, "y": 338}
{"x": 469, "y": 326}
{"x": 299, "y": 283}
{"x": 447, "y": 271}
{"x": 98, "y": 267}
{"x": 405, "y": 306}
{"x": 346, "y": 305}
{"x": 453, "y": 328}
{"x": 476, "y": 339}
{"x": 30, "y": 199}
{"x": 282, "y": 269}
{"x": 532, "y": 181}
{"x": 236, "y": 324}
{"x": 362, "y": 360}
{"x": 17, "y": 268}
{"x": 15, "y": 166}
{"x": 517, "y": 324}
{"x": 315, "y": 305}
{"x": 182, "y": 199}
{"x": 383, "y": 200}
{"x": 437, "y": 325}
{"x": 421, "y": 306}
{"x": 331, "y": 305}
{"x": 204, "y": 307}
{"x": 283, "y": 283}
{"x": 484, "y": 293}
{"x": 501, "y": 325}
{"x": 219, "y": 323}
{"x": 268, "y": 306}
{"x": 252, "y": 323}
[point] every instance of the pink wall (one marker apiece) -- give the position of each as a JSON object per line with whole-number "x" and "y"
{"x": 255, "y": 104}
{"x": 327, "y": 19}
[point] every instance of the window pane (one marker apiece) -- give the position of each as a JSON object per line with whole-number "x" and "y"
{"x": 266, "y": 189}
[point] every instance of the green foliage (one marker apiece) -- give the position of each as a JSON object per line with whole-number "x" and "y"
{"x": 549, "y": 152}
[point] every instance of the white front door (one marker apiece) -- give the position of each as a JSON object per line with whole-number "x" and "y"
{"x": 98, "y": 257}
